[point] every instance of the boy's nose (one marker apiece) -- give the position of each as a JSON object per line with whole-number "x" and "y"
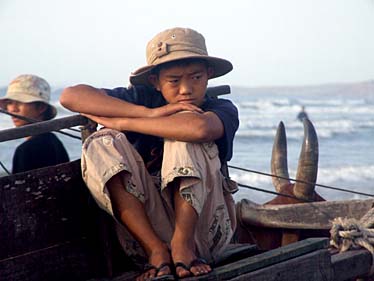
{"x": 185, "y": 88}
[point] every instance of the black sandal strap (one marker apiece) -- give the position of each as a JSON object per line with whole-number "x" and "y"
{"x": 161, "y": 266}
{"x": 182, "y": 265}
{"x": 198, "y": 261}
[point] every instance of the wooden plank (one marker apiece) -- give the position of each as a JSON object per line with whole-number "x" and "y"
{"x": 218, "y": 90}
{"x": 126, "y": 276}
{"x": 41, "y": 208}
{"x": 42, "y": 127}
{"x": 68, "y": 261}
{"x": 351, "y": 264}
{"x": 249, "y": 264}
{"x": 316, "y": 215}
{"x": 266, "y": 259}
{"x": 44, "y": 211}
{"x": 314, "y": 266}
{"x": 235, "y": 252}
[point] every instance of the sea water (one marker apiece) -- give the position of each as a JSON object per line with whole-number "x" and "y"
{"x": 344, "y": 124}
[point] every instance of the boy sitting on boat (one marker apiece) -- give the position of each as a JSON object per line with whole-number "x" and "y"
{"x": 156, "y": 164}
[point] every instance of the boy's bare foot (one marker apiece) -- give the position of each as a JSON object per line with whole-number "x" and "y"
{"x": 197, "y": 267}
{"x": 159, "y": 265}
{"x": 186, "y": 263}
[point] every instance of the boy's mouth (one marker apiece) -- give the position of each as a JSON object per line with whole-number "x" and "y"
{"x": 186, "y": 101}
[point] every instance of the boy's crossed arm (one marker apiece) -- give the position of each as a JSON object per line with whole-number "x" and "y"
{"x": 191, "y": 125}
{"x": 184, "y": 126}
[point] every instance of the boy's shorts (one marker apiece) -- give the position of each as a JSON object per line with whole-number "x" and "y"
{"x": 108, "y": 152}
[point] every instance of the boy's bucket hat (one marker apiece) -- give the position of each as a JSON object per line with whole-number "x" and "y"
{"x": 29, "y": 88}
{"x": 176, "y": 44}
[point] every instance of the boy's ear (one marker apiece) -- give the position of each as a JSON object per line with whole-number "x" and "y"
{"x": 153, "y": 79}
{"x": 41, "y": 108}
{"x": 210, "y": 71}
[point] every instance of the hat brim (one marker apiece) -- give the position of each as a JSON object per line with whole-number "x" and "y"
{"x": 20, "y": 97}
{"x": 220, "y": 67}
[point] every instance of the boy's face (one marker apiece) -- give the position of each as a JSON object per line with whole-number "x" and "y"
{"x": 30, "y": 110}
{"x": 183, "y": 83}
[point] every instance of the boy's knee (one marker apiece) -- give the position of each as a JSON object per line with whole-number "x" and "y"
{"x": 191, "y": 148}
{"x": 104, "y": 137}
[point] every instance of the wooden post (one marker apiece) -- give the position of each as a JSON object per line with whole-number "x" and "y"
{"x": 88, "y": 129}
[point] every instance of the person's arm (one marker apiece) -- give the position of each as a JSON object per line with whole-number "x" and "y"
{"x": 184, "y": 126}
{"x": 90, "y": 100}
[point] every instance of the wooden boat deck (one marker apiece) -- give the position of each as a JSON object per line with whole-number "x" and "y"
{"x": 309, "y": 259}
{"x": 51, "y": 229}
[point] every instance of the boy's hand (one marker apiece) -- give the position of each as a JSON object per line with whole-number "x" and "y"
{"x": 170, "y": 109}
{"x": 116, "y": 123}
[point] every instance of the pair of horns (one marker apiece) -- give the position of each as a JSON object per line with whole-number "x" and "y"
{"x": 308, "y": 162}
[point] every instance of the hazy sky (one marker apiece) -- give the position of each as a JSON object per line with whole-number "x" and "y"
{"x": 270, "y": 42}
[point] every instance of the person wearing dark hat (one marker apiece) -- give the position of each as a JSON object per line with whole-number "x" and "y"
{"x": 28, "y": 96}
{"x": 155, "y": 166}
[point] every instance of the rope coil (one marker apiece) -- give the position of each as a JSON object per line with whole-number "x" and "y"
{"x": 349, "y": 233}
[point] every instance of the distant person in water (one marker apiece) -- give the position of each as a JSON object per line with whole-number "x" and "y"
{"x": 28, "y": 96}
{"x": 302, "y": 114}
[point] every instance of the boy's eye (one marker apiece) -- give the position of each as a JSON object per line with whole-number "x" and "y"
{"x": 196, "y": 77}
{"x": 10, "y": 102}
{"x": 173, "y": 81}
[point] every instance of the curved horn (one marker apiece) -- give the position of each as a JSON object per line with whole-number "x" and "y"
{"x": 308, "y": 163}
{"x": 279, "y": 165}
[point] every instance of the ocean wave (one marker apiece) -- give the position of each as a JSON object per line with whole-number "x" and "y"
{"x": 334, "y": 102}
{"x": 347, "y": 173}
{"x": 265, "y": 109}
{"x": 265, "y": 126}
{"x": 354, "y": 178}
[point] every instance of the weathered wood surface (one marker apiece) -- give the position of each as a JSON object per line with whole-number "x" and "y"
{"x": 47, "y": 226}
{"x": 313, "y": 266}
{"x": 69, "y": 261}
{"x": 218, "y": 90}
{"x": 265, "y": 260}
{"x": 351, "y": 264}
{"x": 230, "y": 271}
{"x": 235, "y": 252}
{"x": 316, "y": 215}
{"x": 319, "y": 265}
{"x": 305, "y": 260}
{"x": 42, "y": 127}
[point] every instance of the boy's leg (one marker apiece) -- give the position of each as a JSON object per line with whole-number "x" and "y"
{"x": 203, "y": 223}
{"x": 183, "y": 243}
{"x": 121, "y": 185}
{"x": 130, "y": 211}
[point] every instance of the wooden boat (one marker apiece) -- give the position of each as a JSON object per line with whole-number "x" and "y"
{"x": 51, "y": 229}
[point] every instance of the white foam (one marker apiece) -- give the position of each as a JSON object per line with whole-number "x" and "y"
{"x": 357, "y": 173}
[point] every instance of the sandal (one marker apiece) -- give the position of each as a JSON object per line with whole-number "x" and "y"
{"x": 169, "y": 276}
{"x": 195, "y": 262}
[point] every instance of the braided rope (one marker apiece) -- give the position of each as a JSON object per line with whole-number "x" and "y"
{"x": 348, "y": 233}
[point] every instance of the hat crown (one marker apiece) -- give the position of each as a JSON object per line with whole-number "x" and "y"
{"x": 176, "y": 43}
{"x": 29, "y": 86}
